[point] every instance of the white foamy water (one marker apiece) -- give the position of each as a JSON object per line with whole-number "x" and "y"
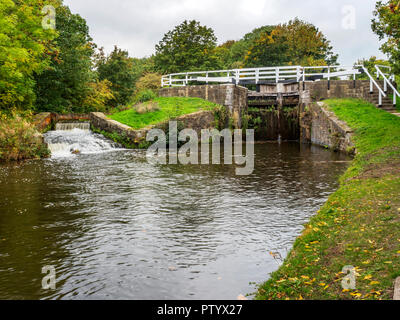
{"x": 73, "y": 139}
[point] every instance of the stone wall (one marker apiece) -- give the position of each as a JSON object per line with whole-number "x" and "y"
{"x": 196, "y": 121}
{"x": 46, "y": 119}
{"x": 321, "y": 127}
{"x": 233, "y": 97}
{"x": 321, "y": 90}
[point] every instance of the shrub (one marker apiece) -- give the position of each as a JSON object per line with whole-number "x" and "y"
{"x": 99, "y": 96}
{"x": 145, "y": 95}
{"x": 143, "y": 108}
{"x": 150, "y": 81}
{"x": 19, "y": 139}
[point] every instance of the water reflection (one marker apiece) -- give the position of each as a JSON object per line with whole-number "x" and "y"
{"x": 116, "y": 227}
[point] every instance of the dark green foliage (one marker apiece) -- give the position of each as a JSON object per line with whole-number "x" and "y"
{"x": 145, "y": 95}
{"x": 64, "y": 85}
{"x": 118, "y": 68}
{"x": 187, "y": 47}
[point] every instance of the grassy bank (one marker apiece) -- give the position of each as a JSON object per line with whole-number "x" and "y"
{"x": 359, "y": 225}
{"x": 19, "y": 139}
{"x": 159, "y": 110}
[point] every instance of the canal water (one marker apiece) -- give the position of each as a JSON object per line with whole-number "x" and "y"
{"x": 114, "y": 226}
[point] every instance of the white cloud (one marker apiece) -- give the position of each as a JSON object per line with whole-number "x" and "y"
{"x": 137, "y": 25}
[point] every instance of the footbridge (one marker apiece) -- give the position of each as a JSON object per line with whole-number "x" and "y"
{"x": 287, "y": 85}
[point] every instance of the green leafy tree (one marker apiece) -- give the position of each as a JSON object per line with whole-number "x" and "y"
{"x": 294, "y": 43}
{"x": 386, "y": 25}
{"x": 188, "y": 47}
{"x": 63, "y": 87}
{"x": 370, "y": 65}
{"x": 118, "y": 68}
{"x": 25, "y": 50}
{"x": 239, "y": 49}
{"x": 151, "y": 81}
{"x": 99, "y": 97}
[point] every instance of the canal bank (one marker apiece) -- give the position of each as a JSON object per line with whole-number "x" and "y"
{"x": 359, "y": 224}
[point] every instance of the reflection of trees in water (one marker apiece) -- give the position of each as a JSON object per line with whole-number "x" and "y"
{"x": 33, "y": 220}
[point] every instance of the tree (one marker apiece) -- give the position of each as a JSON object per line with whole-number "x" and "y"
{"x": 99, "y": 97}
{"x": 149, "y": 81}
{"x": 117, "y": 68}
{"x": 294, "y": 43}
{"x": 271, "y": 49}
{"x": 307, "y": 44}
{"x": 25, "y": 49}
{"x": 386, "y": 26}
{"x": 188, "y": 47}
{"x": 63, "y": 87}
{"x": 370, "y": 65}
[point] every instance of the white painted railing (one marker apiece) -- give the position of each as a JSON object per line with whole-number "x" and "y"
{"x": 387, "y": 81}
{"x": 373, "y": 83}
{"x": 257, "y": 75}
{"x": 278, "y": 74}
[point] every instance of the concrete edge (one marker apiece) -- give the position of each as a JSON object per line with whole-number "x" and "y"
{"x": 396, "y": 294}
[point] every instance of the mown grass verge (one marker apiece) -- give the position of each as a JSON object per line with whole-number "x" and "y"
{"x": 167, "y": 108}
{"x": 359, "y": 226}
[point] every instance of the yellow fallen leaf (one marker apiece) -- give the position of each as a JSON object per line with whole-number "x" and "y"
{"x": 367, "y": 277}
{"x": 322, "y": 284}
{"x": 388, "y": 262}
{"x": 356, "y": 294}
{"x": 374, "y": 282}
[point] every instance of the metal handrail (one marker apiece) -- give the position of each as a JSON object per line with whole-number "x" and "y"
{"x": 386, "y": 82}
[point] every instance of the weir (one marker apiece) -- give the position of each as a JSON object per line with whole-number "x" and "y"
{"x": 74, "y": 138}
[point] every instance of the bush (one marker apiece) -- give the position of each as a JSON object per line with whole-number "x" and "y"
{"x": 143, "y": 108}
{"x": 19, "y": 139}
{"x": 150, "y": 81}
{"x": 99, "y": 97}
{"x": 145, "y": 95}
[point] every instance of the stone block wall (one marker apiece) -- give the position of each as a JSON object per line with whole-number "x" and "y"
{"x": 321, "y": 127}
{"x": 233, "y": 97}
{"x": 321, "y": 90}
{"x": 196, "y": 121}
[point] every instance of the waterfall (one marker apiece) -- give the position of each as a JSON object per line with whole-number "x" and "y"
{"x": 71, "y": 139}
{"x": 73, "y": 125}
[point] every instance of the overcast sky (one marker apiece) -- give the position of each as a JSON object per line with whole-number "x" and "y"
{"x": 138, "y": 25}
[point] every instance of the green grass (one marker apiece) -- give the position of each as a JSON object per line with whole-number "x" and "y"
{"x": 397, "y": 102}
{"x": 170, "y": 108}
{"x": 359, "y": 225}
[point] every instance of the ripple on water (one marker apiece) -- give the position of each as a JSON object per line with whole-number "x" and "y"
{"x": 115, "y": 226}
